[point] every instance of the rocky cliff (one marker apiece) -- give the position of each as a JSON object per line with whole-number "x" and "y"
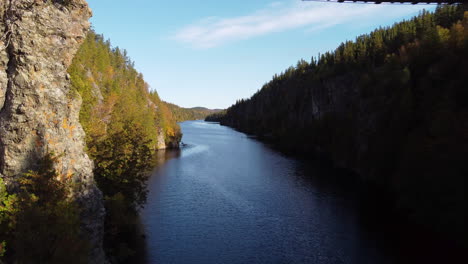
{"x": 38, "y": 110}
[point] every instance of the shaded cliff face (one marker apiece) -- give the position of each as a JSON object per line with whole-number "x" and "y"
{"x": 39, "y": 112}
{"x": 3, "y": 55}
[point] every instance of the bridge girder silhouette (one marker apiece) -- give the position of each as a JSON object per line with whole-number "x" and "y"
{"x": 414, "y": 2}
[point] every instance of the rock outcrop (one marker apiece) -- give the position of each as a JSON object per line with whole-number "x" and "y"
{"x": 38, "y": 109}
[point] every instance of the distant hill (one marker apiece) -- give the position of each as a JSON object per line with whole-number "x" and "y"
{"x": 201, "y": 108}
{"x": 194, "y": 113}
{"x": 198, "y": 108}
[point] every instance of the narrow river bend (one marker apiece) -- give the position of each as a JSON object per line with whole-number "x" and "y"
{"x": 228, "y": 198}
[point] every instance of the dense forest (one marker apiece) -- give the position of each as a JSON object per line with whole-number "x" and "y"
{"x": 215, "y": 117}
{"x": 124, "y": 123}
{"x": 195, "y": 113}
{"x": 391, "y": 105}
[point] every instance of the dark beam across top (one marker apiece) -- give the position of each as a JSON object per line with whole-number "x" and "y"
{"x": 414, "y": 2}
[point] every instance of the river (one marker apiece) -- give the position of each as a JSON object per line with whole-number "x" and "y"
{"x": 228, "y": 198}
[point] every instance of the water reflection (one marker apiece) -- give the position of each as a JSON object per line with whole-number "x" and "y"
{"x": 162, "y": 156}
{"x": 227, "y": 198}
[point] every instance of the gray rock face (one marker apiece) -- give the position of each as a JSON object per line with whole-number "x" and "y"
{"x": 3, "y": 56}
{"x": 38, "y": 109}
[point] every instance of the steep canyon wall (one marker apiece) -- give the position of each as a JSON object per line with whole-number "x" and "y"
{"x": 38, "y": 109}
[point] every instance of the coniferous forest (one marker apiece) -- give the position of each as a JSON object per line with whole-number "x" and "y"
{"x": 390, "y": 105}
{"x": 125, "y": 123}
{"x": 389, "y": 109}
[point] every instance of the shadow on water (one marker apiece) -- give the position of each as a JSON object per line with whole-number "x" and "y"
{"x": 401, "y": 240}
{"x": 141, "y": 255}
{"x": 162, "y": 156}
{"x": 235, "y": 185}
{"x": 159, "y": 159}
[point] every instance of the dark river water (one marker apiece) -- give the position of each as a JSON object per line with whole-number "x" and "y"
{"x": 228, "y": 198}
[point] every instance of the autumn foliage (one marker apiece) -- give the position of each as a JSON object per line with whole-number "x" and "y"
{"x": 125, "y": 122}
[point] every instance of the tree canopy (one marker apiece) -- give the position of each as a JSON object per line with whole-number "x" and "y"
{"x": 125, "y": 122}
{"x": 390, "y": 105}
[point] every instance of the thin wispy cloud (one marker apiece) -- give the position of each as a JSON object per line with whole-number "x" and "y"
{"x": 279, "y": 17}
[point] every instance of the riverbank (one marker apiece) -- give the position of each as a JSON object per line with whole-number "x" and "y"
{"x": 377, "y": 197}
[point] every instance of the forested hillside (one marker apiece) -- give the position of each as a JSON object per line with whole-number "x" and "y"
{"x": 391, "y": 105}
{"x": 195, "y": 113}
{"x": 115, "y": 94}
{"x": 216, "y": 117}
{"x": 124, "y": 124}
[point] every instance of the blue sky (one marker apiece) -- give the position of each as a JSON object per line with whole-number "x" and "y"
{"x": 211, "y": 53}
